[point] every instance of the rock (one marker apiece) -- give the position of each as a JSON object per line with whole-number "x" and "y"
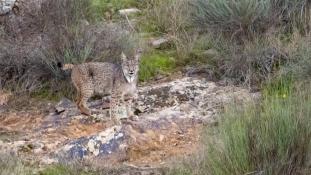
{"x": 6, "y": 6}
{"x": 102, "y": 143}
{"x": 129, "y": 11}
{"x": 210, "y": 53}
{"x": 160, "y": 42}
{"x": 169, "y": 113}
{"x": 64, "y": 105}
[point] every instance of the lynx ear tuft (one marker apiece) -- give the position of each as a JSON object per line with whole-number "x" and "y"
{"x": 139, "y": 52}
{"x": 123, "y": 56}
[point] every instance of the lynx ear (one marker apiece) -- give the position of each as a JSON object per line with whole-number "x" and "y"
{"x": 138, "y": 54}
{"x": 139, "y": 51}
{"x": 123, "y": 56}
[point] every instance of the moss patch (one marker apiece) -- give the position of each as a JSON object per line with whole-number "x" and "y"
{"x": 154, "y": 64}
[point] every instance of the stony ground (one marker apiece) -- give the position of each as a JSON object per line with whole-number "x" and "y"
{"x": 170, "y": 118}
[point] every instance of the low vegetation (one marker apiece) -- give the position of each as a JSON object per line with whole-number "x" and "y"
{"x": 156, "y": 64}
{"x": 269, "y": 138}
{"x": 9, "y": 164}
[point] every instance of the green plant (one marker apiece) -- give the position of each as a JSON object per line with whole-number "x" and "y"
{"x": 272, "y": 139}
{"x": 154, "y": 64}
{"x": 242, "y": 19}
{"x": 251, "y": 63}
{"x": 108, "y": 8}
{"x": 238, "y": 18}
{"x": 170, "y": 18}
{"x": 294, "y": 14}
{"x": 299, "y": 63}
{"x": 268, "y": 138}
{"x": 55, "y": 90}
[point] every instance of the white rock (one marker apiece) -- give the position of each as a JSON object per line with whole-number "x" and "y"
{"x": 92, "y": 147}
{"x": 129, "y": 11}
{"x": 6, "y": 6}
{"x": 157, "y": 43}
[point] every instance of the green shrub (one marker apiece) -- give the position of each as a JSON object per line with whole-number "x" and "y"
{"x": 248, "y": 18}
{"x": 269, "y": 138}
{"x": 294, "y": 14}
{"x": 236, "y": 18}
{"x": 249, "y": 64}
{"x": 299, "y": 64}
{"x": 166, "y": 17}
{"x": 170, "y": 18}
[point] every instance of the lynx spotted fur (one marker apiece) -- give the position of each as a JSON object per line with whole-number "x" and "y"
{"x": 105, "y": 78}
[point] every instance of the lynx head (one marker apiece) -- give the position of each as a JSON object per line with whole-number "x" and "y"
{"x": 130, "y": 65}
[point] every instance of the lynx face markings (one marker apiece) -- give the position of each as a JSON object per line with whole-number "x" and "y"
{"x": 130, "y": 66}
{"x": 106, "y": 78}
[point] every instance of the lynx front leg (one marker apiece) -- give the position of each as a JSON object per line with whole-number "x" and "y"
{"x": 83, "y": 96}
{"x": 129, "y": 108}
{"x": 114, "y": 105}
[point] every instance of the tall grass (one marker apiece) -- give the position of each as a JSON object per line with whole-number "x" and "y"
{"x": 299, "y": 66}
{"x": 294, "y": 14}
{"x": 170, "y": 18}
{"x": 108, "y": 8}
{"x": 268, "y": 138}
{"x": 9, "y": 164}
{"x": 248, "y": 18}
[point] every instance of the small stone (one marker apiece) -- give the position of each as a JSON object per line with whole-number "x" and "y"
{"x": 6, "y": 6}
{"x": 159, "y": 42}
{"x": 93, "y": 147}
{"x": 63, "y": 105}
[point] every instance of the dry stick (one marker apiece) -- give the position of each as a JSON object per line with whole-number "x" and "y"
{"x": 129, "y": 22}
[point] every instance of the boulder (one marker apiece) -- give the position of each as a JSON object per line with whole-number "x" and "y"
{"x": 6, "y": 6}
{"x": 168, "y": 122}
{"x": 160, "y": 42}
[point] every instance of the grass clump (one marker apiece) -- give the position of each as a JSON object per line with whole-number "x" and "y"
{"x": 108, "y": 9}
{"x": 171, "y": 19}
{"x": 271, "y": 138}
{"x": 249, "y": 18}
{"x": 299, "y": 65}
{"x": 64, "y": 170}
{"x": 11, "y": 165}
{"x": 154, "y": 64}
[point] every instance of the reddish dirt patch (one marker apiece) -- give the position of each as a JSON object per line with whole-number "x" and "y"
{"x": 154, "y": 148}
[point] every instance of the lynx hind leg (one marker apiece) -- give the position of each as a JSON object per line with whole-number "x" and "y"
{"x": 84, "y": 95}
{"x": 78, "y": 97}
